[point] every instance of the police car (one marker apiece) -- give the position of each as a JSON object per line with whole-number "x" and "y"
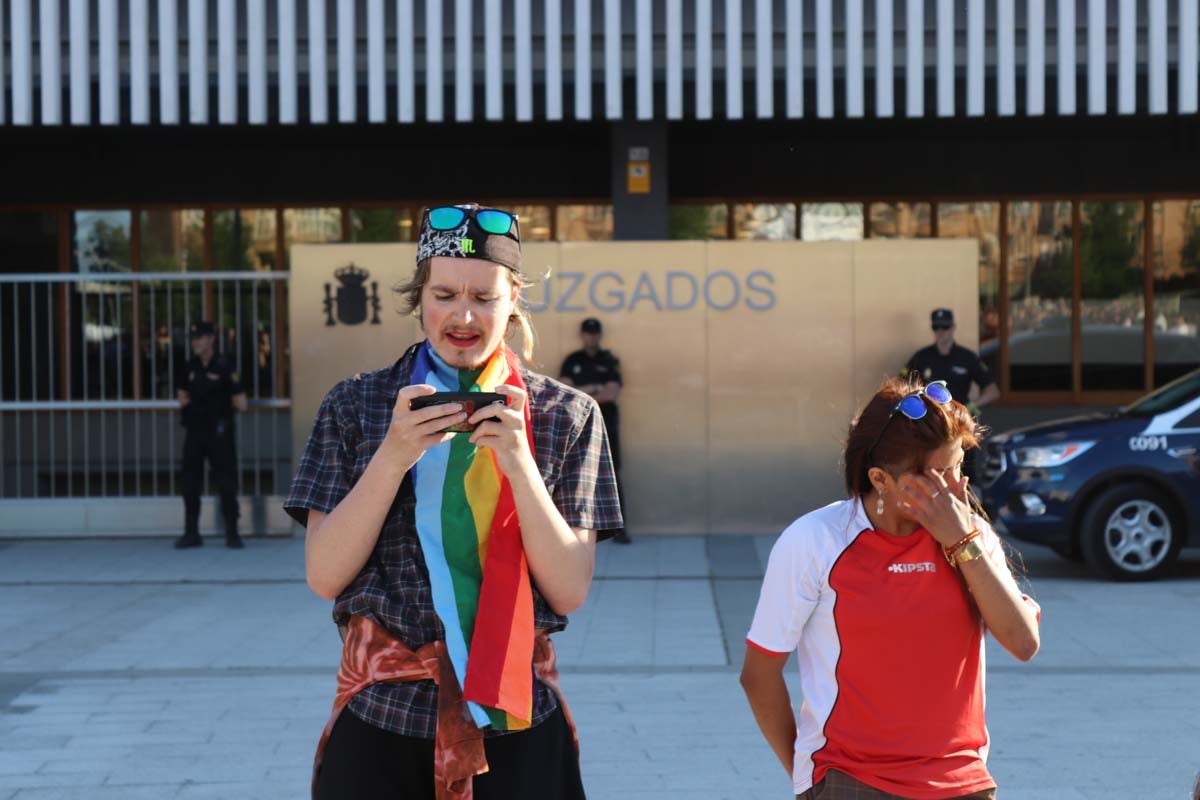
{"x": 1121, "y": 490}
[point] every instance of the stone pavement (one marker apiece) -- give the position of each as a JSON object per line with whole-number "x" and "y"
{"x": 130, "y": 670}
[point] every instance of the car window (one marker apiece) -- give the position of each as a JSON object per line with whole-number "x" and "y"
{"x": 1168, "y": 397}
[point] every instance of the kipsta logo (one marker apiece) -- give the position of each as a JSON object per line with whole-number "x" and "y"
{"x": 913, "y": 566}
{"x": 352, "y": 298}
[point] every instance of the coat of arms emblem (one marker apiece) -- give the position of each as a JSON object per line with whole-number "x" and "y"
{"x": 351, "y": 300}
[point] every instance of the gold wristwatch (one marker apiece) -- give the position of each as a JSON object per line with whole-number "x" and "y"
{"x": 969, "y": 552}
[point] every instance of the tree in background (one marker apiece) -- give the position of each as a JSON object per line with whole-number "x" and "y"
{"x": 230, "y": 243}
{"x": 105, "y": 248}
{"x": 1110, "y": 241}
{"x": 1110, "y": 250}
{"x": 1051, "y": 274}
{"x": 688, "y": 222}
{"x": 1189, "y": 254}
{"x": 378, "y": 224}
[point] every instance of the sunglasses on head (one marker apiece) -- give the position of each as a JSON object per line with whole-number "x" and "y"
{"x": 914, "y": 407}
{"x": 492, "y": 220}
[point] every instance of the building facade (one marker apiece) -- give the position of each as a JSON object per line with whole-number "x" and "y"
{"x": 200, "y": 140}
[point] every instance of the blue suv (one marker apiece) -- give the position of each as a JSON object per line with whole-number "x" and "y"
{"x": 1121, "y": 489}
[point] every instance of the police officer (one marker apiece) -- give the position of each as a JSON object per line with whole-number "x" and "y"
{"x": 598, "y": 373}
{"x": 957, "y": 366}
{"x": 210, "y": 391}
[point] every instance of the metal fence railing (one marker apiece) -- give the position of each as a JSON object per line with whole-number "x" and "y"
{"x": 89, "y": 365}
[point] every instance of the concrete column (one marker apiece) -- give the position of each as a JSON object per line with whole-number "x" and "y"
{"x": 639, "y": 154}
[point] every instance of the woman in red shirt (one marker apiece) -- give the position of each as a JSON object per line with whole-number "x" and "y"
{"x": 885, "y": 598}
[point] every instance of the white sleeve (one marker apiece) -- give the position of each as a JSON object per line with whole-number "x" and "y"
{"x": 993, "y": 546}
{"x": 789, "y": 595}
{"x": 990, "y": 540}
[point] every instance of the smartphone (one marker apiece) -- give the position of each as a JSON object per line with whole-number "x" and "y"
{"x": 471, "y": 402}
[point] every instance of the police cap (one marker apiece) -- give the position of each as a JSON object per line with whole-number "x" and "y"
{"x": 202, "y": 328}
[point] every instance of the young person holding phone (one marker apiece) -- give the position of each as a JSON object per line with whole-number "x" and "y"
{"x": 450, "y": 556}
{"x": 885, "y": 598}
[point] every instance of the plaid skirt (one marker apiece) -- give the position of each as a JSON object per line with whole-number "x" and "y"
{"x": 840, "y": 786}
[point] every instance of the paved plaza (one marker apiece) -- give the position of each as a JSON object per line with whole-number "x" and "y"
{"x": 129, "y": 670}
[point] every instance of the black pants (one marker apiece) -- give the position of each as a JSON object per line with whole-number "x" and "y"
{"x": 217, "y": 447}
{"x": 362, "y": 761}
{"x": 612, "y": 424}
{"x": 840, "y": 786}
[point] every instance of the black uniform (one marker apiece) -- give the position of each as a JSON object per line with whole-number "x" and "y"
{"x": 959, "y": 369}
{"x": 601, "y": 368}
{"x": 208, "y": 418}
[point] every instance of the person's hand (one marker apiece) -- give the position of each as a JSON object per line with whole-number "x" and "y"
{"x": 502, "y": 430}
{"x": 940, "y": 506}
{"x": 411, "y": 433}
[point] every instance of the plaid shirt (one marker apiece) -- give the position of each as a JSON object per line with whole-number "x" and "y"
{"x": 393, "y": 588}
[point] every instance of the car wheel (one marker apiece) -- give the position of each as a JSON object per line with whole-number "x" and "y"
{"x": 1130, "y": 532}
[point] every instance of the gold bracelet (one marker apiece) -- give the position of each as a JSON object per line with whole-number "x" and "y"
{"x": 969, "y": 552}
{"x": 948, "y": 552}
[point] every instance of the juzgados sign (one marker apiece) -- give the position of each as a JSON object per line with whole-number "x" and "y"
{"x": 676, "y": 290}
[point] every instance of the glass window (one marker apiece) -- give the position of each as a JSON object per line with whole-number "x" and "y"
{"x": 764, "y": 221}
{"x": 828, "y": 222}
{"x": 585, "y": 223}
{"x": 30, "y": 241}
{"x": 981, "y": 222}
{"x": 534, "y": 222}
{"x": 171, "y": 241}
{"x": 1113, "y": 303}
{"x": 1176, "y": 289}
{"x": 900, "y": 220}
{"x": 31, "y": 342}
{"x": 252, "y": 323}
{"x": 1167, "y": 398}
{"x": 1040, "y": 269}
{"x": 310, "y": 226}
{"x": 30, "y": 337}
{"x": 693, "y": 221}
{"x": 383, "y": 224}
{"x": 102, "y": 241}
{"x": 101, "y": 359}
{"x": 243, "y": 239}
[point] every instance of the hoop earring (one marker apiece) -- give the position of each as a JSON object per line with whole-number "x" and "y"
{"x": 879, "y": 505}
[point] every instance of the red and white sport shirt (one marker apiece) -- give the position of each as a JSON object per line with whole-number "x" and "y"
{"x": 890, "y": 651}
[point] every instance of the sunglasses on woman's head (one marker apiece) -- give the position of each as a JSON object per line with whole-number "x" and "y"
{"x": 913, "y": 406}
{"x": 492, "y": 220}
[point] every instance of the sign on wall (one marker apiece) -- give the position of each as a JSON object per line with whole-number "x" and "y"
{"x": 743, "y": 362}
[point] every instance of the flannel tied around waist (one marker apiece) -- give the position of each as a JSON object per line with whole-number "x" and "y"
{"x": 371, "y": 655}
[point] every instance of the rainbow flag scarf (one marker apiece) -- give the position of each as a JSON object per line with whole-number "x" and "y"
{"x": 471, "y": 538}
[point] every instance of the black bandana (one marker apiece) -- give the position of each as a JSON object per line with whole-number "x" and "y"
{"x": 469, "y": 240}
